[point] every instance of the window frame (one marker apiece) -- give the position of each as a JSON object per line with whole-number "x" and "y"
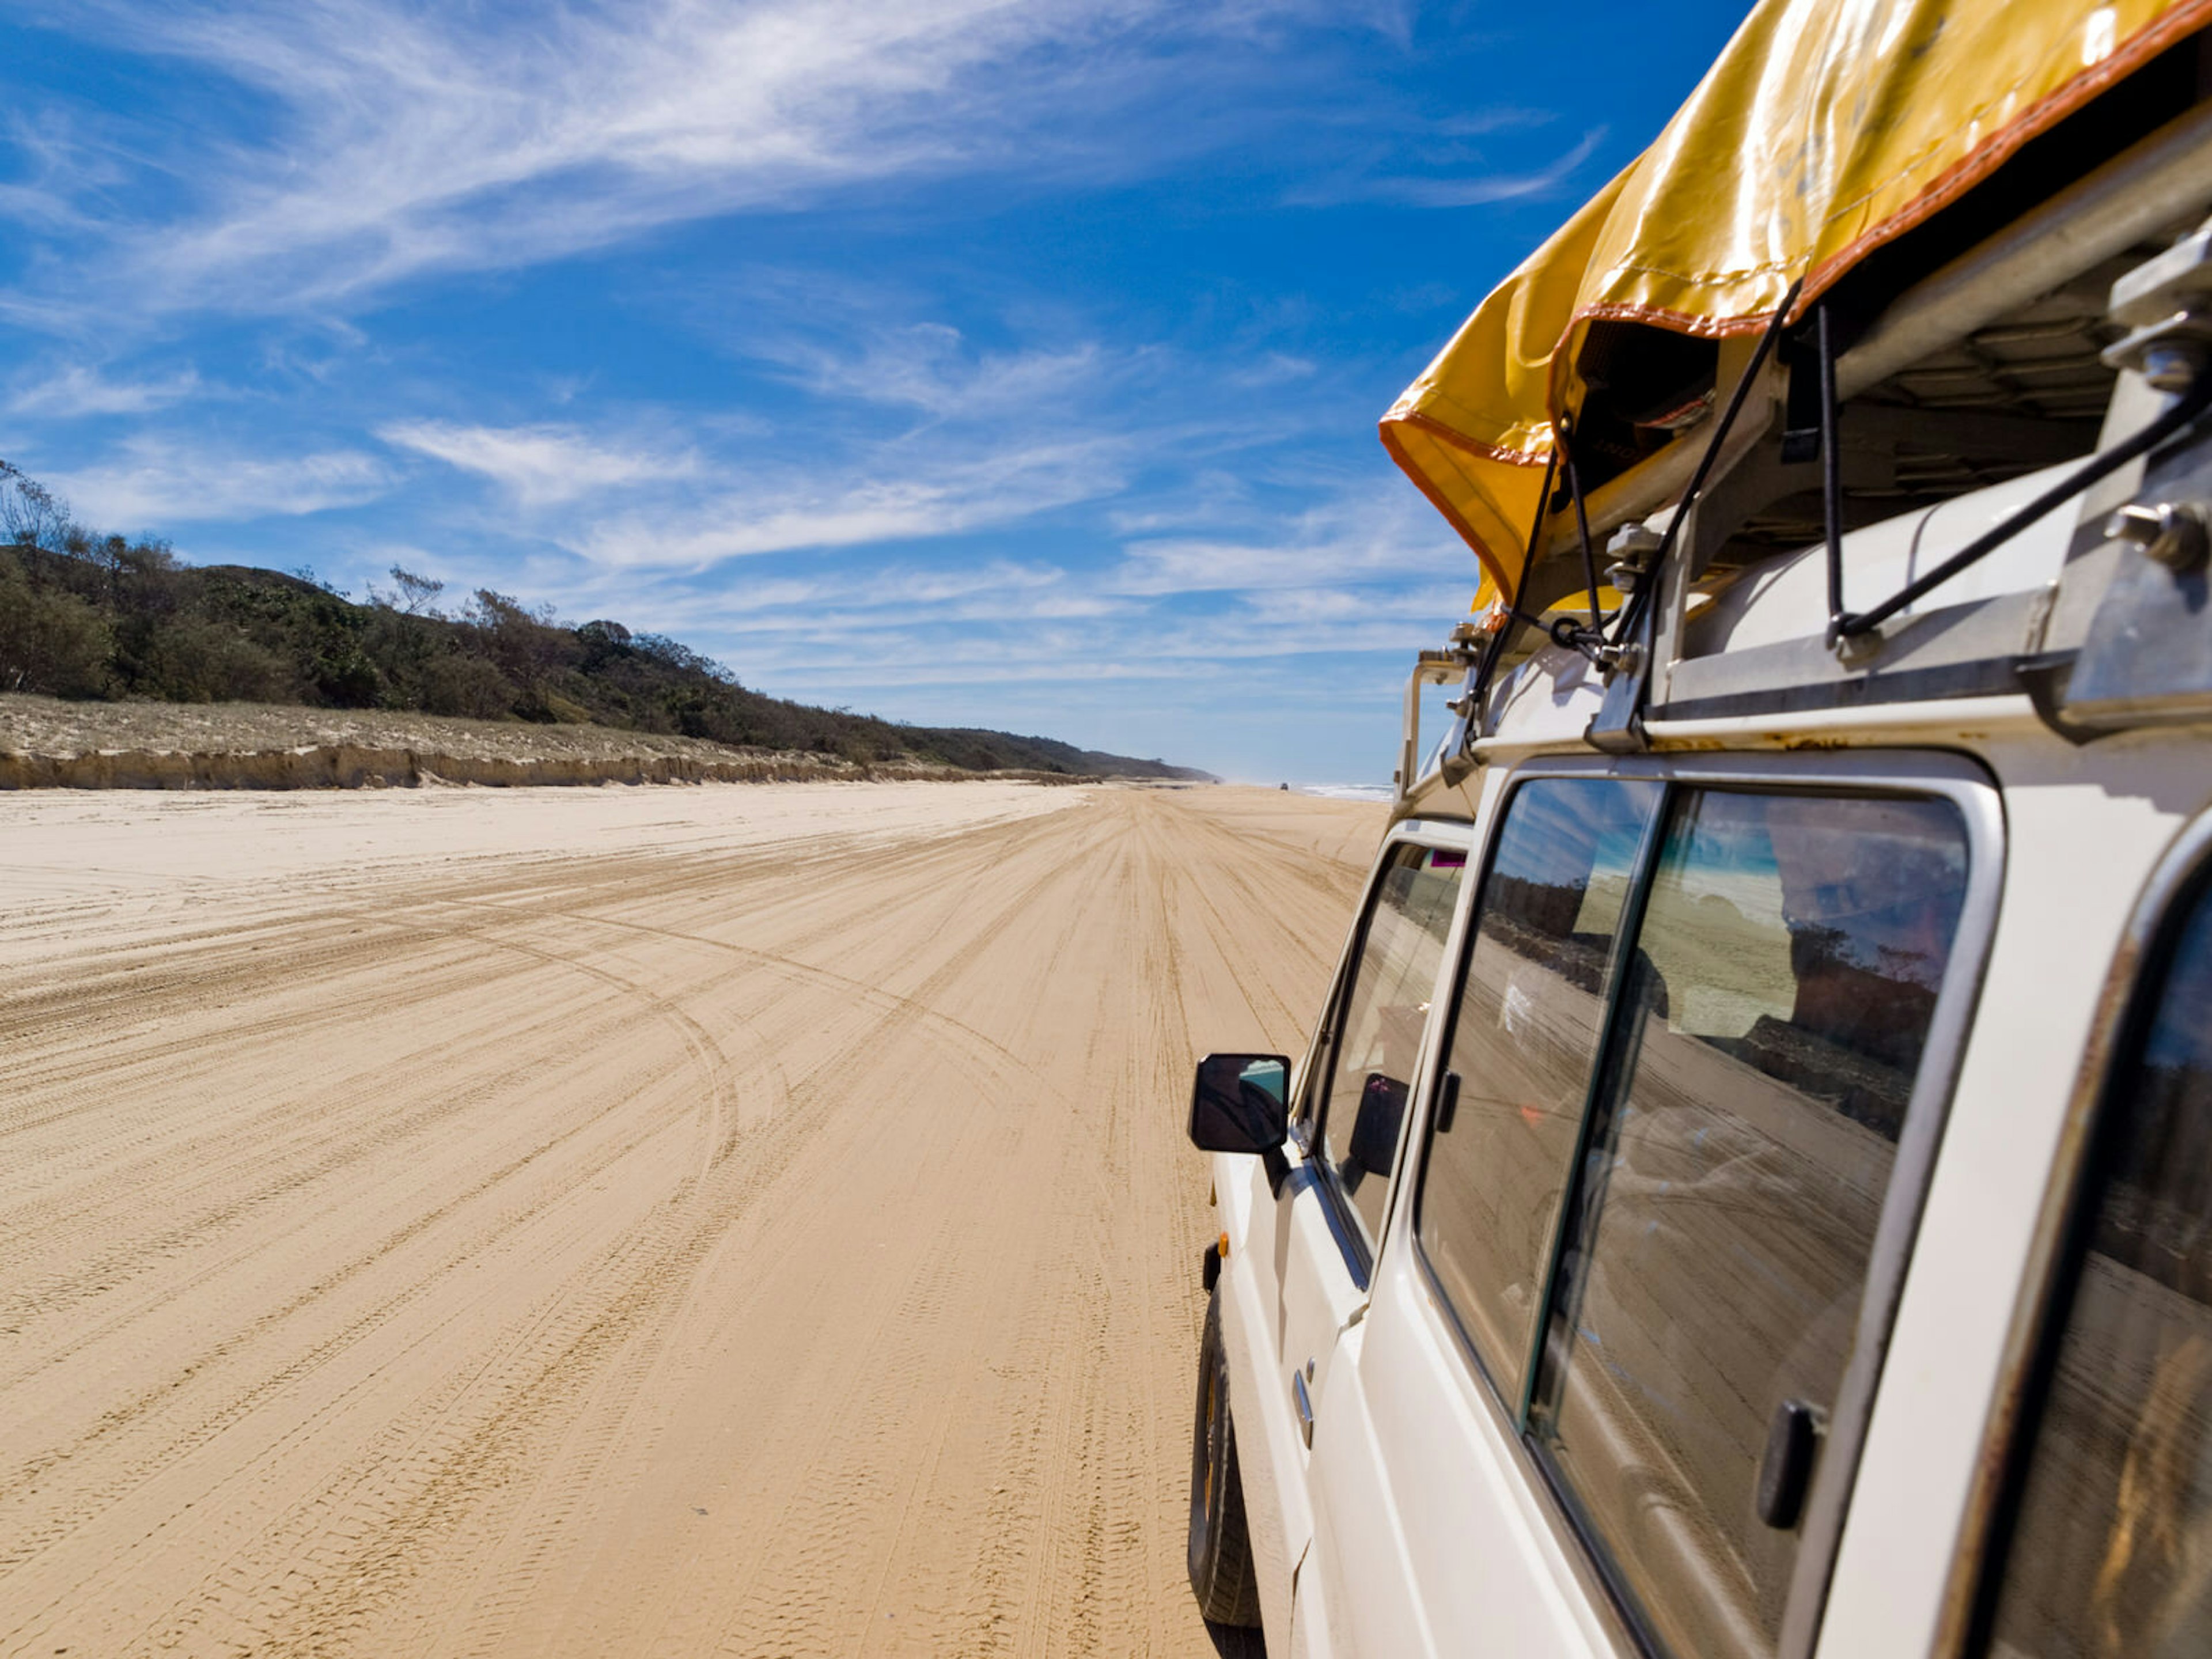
{"x": 1307, "y": 1124}
{"x": 2134, "y": 984}
{"x": 1861, "y": 773}
{"x": 1516, "y": 1399}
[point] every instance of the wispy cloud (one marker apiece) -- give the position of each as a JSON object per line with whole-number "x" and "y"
{"x": 156, "y": 482}
{"x": 933, "y": 368}
{"x": 971, "y": 329}
{"x": 540, "y": 466}
{"x": 76, "y": 391}
{"x": 409, "y": 140}
{"x": 1303, "y": 586}
{"x": 59, "y": 165}
{"x": 1308, "y": 609}
{"x": 1450, "y": 187}
{"x": 1361, "y": 537}
{"x": 891, "y": 497}
{"x": 830, "y": 607}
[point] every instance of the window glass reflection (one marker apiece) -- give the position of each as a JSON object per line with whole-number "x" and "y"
{"x": 1401, "y": 951}
{"x": 1524, "y": 1037}
{"x": 2112, "y": 1554}
{"x": 1770, "y": 1028}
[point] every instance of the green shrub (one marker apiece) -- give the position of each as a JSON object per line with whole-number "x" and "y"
{"x": 50, "y": 641}
{"x": 455, "y": 685}
{"x": 193, "y": 658}
{"x": 89, "y": 615}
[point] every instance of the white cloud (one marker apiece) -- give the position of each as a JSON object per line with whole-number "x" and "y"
{"x": 539, "y": 466}
{"x": 1311, "y": 588}
{"x": 78, "y": 391}
{"x": 1328, "y": 608}
{"x": 1270, "y": 368}
{"x": 157, "y": 482}
{"x": 886, "y": 495}
{"x": 930, "y": 367}
{"x": 1033, "y": 649}
{"x": 409, "y": 139}
{"x": 895, "y": 589}
{"x": 895, "y": 607}
{"x": 1364, "y": 537}
{"x": 1451, "y": 189}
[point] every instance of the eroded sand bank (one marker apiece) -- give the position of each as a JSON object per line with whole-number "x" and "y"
{"x": 47, "y": 743}
{"x": 730, "y": 1220}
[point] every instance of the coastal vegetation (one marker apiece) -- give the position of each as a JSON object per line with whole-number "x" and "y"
{"x": 87, "y": 616}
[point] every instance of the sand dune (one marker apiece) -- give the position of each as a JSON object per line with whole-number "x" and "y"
{"x": 734, "y": 1220}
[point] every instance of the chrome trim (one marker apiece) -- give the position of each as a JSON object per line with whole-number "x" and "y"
{"x": 1307, "y": 1173}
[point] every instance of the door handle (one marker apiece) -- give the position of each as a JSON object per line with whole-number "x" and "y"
{"x": 1303, "y": 1399}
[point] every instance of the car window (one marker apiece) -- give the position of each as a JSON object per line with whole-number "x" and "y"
{"x": 1525, "y": 1037}
{"x": 1384, "y": 1012}
{"x": 2112, "y": 1551}
{"x": 1768, "y": 1031}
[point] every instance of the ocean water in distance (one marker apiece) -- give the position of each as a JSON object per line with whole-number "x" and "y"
{"x": 1378, "y": 791}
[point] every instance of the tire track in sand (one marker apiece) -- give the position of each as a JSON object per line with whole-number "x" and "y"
{"x": 820, "y": 1281}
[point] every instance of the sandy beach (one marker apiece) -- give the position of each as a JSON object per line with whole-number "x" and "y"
{"x": 747, "y": 1220}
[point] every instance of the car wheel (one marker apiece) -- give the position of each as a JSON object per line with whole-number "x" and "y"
{"x": 1220, "y": 1549}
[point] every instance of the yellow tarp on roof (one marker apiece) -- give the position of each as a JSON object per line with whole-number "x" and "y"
{"x": 1826, "y": 129}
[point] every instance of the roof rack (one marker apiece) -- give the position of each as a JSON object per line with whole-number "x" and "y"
{"x": 2108, "y": 678}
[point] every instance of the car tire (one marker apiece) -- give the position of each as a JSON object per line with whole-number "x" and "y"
{"x": 1220, "y": 1553}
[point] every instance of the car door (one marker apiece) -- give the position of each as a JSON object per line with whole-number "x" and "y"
{"x": 1688, "y": 1076}
{"x": 1538, "y": 958}
{"x": 1328, "y": 1205}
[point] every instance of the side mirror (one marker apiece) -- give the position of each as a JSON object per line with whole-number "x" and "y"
{"x": 1238, "y": 1104}
{"x": 1375, "y": 1131}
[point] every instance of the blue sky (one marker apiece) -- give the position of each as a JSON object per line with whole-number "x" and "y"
{"x": 1010, "y": 365}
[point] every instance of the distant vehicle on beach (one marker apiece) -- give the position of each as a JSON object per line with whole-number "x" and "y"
{"x": 1748, "y": 1191}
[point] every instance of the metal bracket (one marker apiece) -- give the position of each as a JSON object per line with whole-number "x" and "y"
{"x": 1434, "y": 668}
{"x": 1632, "y": 549}
{"x": 2166, "y": 306}
{"x": 2148, "y": 656}
{"x": 1617, "y": 728}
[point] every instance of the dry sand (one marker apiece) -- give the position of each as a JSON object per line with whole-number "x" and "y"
{"x": 727, "y": 1220}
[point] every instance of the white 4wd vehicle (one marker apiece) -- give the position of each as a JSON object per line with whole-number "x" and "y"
{"x": 1750, "y": 1188}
